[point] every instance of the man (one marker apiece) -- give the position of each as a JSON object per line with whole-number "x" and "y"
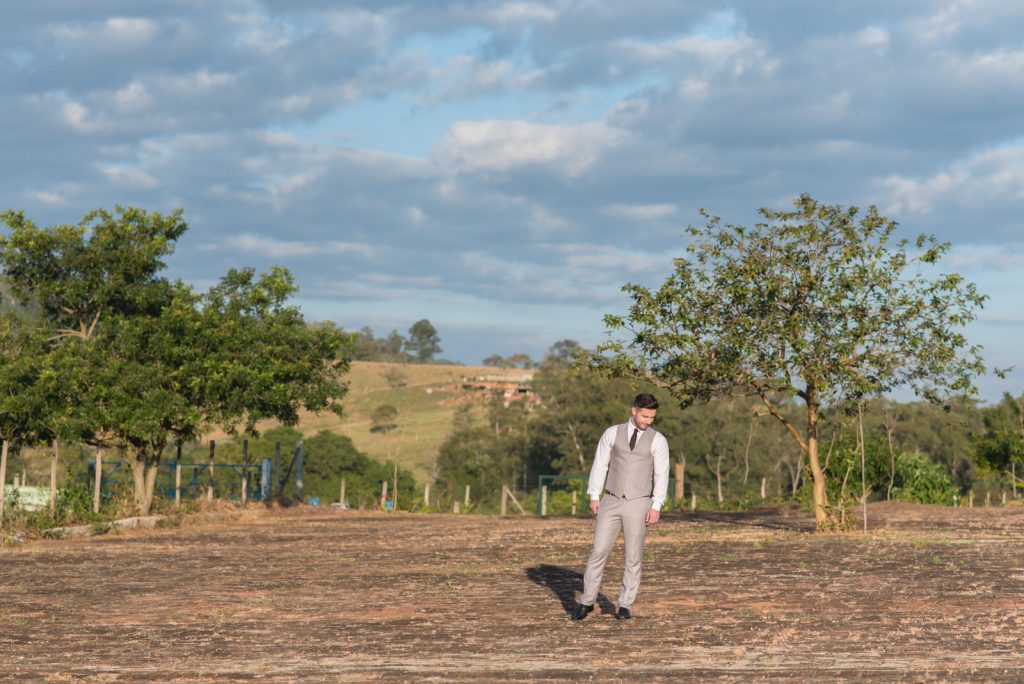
{"x": 631, "y": 468}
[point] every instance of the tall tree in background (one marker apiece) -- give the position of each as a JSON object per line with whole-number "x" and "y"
{"x": 136, "y": 361}
{"x": 423, "y": 342}
{"x": 813, "y": 303}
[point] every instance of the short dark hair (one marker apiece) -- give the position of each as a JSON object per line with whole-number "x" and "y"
{"x": 645, "y": 401}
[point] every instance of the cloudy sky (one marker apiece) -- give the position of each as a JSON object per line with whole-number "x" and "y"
{"x": 503, "y": 167}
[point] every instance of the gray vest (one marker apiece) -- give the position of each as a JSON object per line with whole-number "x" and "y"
{"x": 631, "y": 473}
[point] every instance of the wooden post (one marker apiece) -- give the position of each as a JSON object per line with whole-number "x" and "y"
{"x": 988, "y": 498}
{"x": 764, "y": 486}
{"x": 275, "y": 472}
{"x": 515, "y": 500}
{"x": 1013, "y": 477}
{"x": 467, "y": 496}
{"x": 426, "y": 495}
{"x": 383, "y": 495}
{"x": 504, "y": 500}
{"x": 245, "y": 469}
{"x": 693, "y": 501}
{"x": 678, "y": 492}
{"x": 394, "y": 488}
{"x": 177, "y": 477}
{"x": 970, "y": 499}
{"x": 300, "y": 461}
{"x": 209, "y": 472}
{"x": 544, "y": 500}
{"x": 341, "y": 494}
{"x": 53, "y": 477}
{"x": 1004, "y": 498}
{"x": 98, "y": 483}
{"x": 3, "y": 479}
{"x": 455, "y": 506}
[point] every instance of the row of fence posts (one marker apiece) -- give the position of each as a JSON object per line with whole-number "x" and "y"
{"x": 267, "y": 484}
{"x": 506, "y": 495}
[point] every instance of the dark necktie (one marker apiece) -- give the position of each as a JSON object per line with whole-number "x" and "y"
{"x": 632, "y": 440}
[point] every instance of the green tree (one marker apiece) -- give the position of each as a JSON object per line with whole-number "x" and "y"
{"x": 137, "y": 361}
{"x": 383, "y": 418}
{"x": 815, "y": 304}
{"x": 1000, "y": 446}
{"x": 423, "y": 342}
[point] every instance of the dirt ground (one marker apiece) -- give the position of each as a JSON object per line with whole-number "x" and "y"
{"x": 930, "y": 594}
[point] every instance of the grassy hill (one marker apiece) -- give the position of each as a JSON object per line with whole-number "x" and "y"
{"x": 429, "y": 398}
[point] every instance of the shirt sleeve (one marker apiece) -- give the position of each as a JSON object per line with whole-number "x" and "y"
{"x": 602, "y": 458}
{"x": 659, "y": 449}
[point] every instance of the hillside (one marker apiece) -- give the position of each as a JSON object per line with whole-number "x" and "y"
{"x": 429, "y": 399}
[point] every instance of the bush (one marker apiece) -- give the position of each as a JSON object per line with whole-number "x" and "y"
{"x": 919, "y": 480}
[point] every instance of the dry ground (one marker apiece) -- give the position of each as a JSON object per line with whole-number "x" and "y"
{"x": 931, "y": 594}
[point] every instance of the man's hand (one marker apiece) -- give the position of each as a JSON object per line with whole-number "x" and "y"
{"x": 594, "y": 503}
{"x": 653, "y": 516}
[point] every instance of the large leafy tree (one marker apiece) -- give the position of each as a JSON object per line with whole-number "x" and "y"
{"x": 423, "y": 342}
{"x": 134, "y": 361}
{"x": 819, "y": 303}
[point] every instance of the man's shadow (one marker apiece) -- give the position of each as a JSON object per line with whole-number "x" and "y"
{"x": 565, "y": 584}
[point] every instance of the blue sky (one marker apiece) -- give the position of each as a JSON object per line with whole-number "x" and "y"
{"x": 502, "y": 168}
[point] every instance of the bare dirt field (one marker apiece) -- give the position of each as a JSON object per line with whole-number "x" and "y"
{"x": 930, "y": 594}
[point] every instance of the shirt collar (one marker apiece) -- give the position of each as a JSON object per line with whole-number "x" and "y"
{"x": 634, "y": 425}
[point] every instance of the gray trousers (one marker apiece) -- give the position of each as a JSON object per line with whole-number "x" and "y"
{"x": 614, "y": 514}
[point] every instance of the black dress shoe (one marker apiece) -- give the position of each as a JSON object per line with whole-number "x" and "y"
{"x": 581, "y": 611}
{"x": 623, "y": 614}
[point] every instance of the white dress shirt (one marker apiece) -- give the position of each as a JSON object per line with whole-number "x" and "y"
{"x": 599, "y": 471}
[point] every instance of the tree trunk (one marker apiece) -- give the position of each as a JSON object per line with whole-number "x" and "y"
{"x": 144, "y": 481}
{"x": 823, "y": 518}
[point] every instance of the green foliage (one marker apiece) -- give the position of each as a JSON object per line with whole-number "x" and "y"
{"x": 815, "y": 303}
{"x": 1000, "y": 444}
{"x": 121, "y": 357}
{"x": 383, "y": 418}
{"x": 423, "y": 342}
{"x": 920, "y": 480}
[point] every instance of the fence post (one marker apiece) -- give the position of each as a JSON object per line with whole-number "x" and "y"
{"x": 466, "y": 500}
{"x": 678, "y": 493}
{"x": 544, "y": 500}
{"x": 209, "y": 468}
{"x": 275, "y": 472}
{"x": 693, "y": 501}
{"x": 764, "y": 484}
{"x": 504, "y": 500}
{"x": 574, "y": 502}
{"x": 455, "y": 506}
{"x": 341, "y": 494}
{"x": 245, "y": 469}
{"x": 426, "y": 495}
{"x": 299, "y": 458}
{"x": 99, "y": 482}
{"x": 177, "y": 477}
{"x": 3, "y": 479}
{"x": 266, "y": 493}
{"x": 383, "y": 495}
{"x": 53, "y": 477}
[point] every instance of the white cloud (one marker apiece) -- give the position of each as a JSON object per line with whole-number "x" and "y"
{"x": 495, "y": 145}
{"x": 985, "y": 258}
{"x": 995, "y": 175}
{"x": 128, "y": 177}
{"x": 132, "y": 98}
{"x": 513, "y": 12}
{"x": 641, "y": 212}
{"x": 294, "y": 248}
